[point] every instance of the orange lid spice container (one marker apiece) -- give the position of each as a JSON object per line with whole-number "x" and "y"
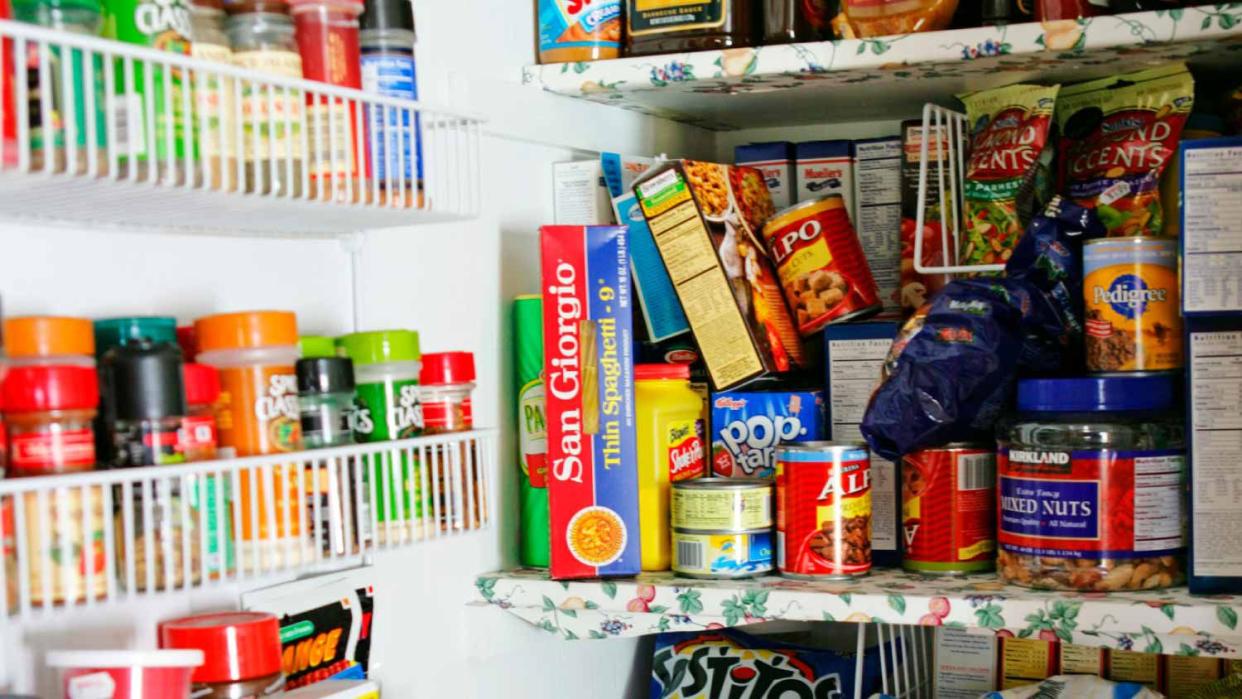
{"x": 50, "y": 340}
{"x": 254, "y": 352}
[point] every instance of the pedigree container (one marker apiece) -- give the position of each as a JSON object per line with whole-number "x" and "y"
{"x": 255, "y": 352}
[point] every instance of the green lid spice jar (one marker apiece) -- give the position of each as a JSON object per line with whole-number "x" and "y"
{"x": 386, "y": 368}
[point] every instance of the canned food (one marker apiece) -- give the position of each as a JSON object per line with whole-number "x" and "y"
{"x": 722, "y": 504}
{"x": 821, "y": 263}
{"x": 948, "y": 509}
{"x": 1132, "y": 305}
{"x": 823, "y": 510}
{"x": 722, "y": 555}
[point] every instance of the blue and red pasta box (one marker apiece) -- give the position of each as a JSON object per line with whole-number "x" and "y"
{"x": 589, "y": 396}
{"x": 747, "y": 426}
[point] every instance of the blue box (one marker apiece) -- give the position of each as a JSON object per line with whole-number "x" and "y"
{"x": 747, "y": 426}
{"x": 823, "y": 168}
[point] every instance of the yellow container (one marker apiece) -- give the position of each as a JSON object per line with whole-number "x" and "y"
{"x": 669, "y": 426}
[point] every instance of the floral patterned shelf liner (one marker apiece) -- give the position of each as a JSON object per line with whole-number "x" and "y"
{"x": 1170, "y": 34}
{"x": 1167, "y": 621}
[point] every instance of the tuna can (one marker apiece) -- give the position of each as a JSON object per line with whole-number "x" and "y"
{"x": 1133, "y": 318}
{"x": 948, "y": 509}
{"x": 722, "y": 555}
{"x": 821, "y": 264}
{"x": 823, "y": 510}
{"x": 722, "y": 505}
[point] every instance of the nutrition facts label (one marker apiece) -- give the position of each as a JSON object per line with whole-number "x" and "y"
{"x": 878, "y": 185}
{"x": 1216, "y": 441}
{"x": 1212, "y": 200}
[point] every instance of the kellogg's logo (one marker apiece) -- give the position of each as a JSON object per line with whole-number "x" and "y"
{"x": 752, "y": 442}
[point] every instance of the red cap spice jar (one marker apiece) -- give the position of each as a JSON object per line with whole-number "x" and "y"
{"x": 198, "y": 428}
{"x": 49, "y": 412}
{"x": 241, "y": 650}
{"x": 445, "y": 382}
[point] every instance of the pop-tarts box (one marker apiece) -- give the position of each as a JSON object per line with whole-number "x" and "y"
{"x": 747, "y": 426}
{"x": 823, "y": 168}
{"x": 776, "y": 161}
{"x": 589, "y": 397}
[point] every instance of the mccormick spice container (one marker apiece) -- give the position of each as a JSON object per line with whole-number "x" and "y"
{"x": 213, "y": 96}
{"x": 211, "y": 499}
{"x": 675, "y": 26}
{"x": 114, "y": 332}
{"x": 571, "y": 31}
{"x": 532, "y": 430}
{"x": 823, "y": 510}
{"x": 49, "y": 341}
{"x": 198, "y": 438}
{"x": 387, "y": 45}
{"x": 48, "y": 411}
{"x": 254, "y": 352}
{"x": 670, "y": 450}
{"x": 326, "y": 401}
{"x": 327, "y": 36}
{"x": 446, "y": 381}
{"x": 722, "y": 527}
{"x": 241, "y": 652}
{"x": 1092, "y": 485}
{"x": 948, "y": 508}
{"x": 261, "y": 36}
{"x": 1133, "y": 305}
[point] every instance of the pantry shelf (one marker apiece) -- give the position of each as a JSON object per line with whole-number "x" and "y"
{"x": 105, "y": 133}
{"x": 176, "y": 528}
{"x": 1168, "y": 621}
{"x": 892, "y": 77}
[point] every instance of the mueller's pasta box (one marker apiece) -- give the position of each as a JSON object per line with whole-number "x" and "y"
{"x": 706, "y": 220}
{"x": 589, "y": 397}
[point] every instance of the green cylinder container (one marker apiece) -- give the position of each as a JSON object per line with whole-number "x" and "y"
{"x": 114, "y": 332}
{"x": 532, "y": 434}
{"x": 316, "y": 346}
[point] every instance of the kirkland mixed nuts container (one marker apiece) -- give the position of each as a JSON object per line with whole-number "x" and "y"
{"x": 1092, "y": 482}
{"x": 722, "y": 527}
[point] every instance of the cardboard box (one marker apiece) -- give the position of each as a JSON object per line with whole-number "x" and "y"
{"x": 1211, "y": 238}
{"x": 326, "y": 624}
{"x": 854, "y": 355}
{"x": 579, "y": 195}
{"x": 917, "y": 288}
{"x": 707, "y": 219}
{"x": 1184, "y": 675}
{"x": 337, "y": 689}
{"x": 589, "y": 394}
{"x": 965, "y": 662}
{"x": 776, "y": 161}
{"x": 1026, "y": 661}
{"x": 877, "y": 203}
{"x": 748, "y": 426}
{"x": 1133, "y": 666}
{"x": 1083, "y": 660}
{"x": 825, "y": 167}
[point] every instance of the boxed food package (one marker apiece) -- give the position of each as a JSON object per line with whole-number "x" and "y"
{"x": 877, "y": 201}
{"x": 589, "y": 399}
{"x": 582, "y": 189}
{"x": 326, "y": 624}
{"x": 965, "y": 662}
{"x": 1076, "y": 659}
{"x": 1026, "y": 661}
{"x": 747, "y": 426}
{"x": 916, "y": 288}
{"x": 854, "y": 355}
{"x": 1134, "y": 666}
{"x": 776, "y": 161}
{"x": 1211, "y": 238}
{"x": 1185, "y": 675}
{"x": 825, "y": 167}
{"x": 706, "y": 219}
{"x": 337, "y": 689}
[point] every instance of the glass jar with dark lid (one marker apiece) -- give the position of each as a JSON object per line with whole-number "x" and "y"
{"x": 690, "y": 25}
{"x": 790, "y": 21}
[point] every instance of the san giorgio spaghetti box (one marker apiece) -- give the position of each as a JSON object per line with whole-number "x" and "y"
{"x": 589, "y": 398}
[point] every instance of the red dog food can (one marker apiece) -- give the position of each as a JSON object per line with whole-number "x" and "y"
{"x": 823, "y": 510}
{"x": 821, "y": 264}
{"x": 948, "y": 509}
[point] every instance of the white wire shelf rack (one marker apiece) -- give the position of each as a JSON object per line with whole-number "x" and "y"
{"x": 82, "y": 540}
{"x": 102, "y": 132}
{"x": 942, "y": 168}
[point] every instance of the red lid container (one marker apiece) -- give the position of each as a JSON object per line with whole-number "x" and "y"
{"x": 447, "y": 368}
{"x": 236, "y": 645}
{"x": 649, "y": 372}
{"x": 30, "y": 389}
{"x": 202, "y": 384}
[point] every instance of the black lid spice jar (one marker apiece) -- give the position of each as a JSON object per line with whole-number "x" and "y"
{"x": 145, "y": 396}
{"x": 673, "y": 26}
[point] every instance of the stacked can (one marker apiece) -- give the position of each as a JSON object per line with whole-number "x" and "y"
{"x": 948, "y": 508}
{"x": 823, "y": 510}
{"x": 722, "y": 527}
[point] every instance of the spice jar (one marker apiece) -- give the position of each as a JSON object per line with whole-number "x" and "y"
{"x": 49, "y": 341}
{"x": 688, "y": 25}
{"x": 241, "y": 650}
{"x": 387, "y": 49}
{"x": 49, "y": 411}
{"x": 254, "y": 353}
{"x": 311, "y": 346}
{"x": 211, "y": 500}
{"x": 445, "y": 383}
{"x": 197, "y": 439}
{"x": 1092, "y": 485}
{"x": 114, "y": 332}
{"x": 261, "y": 36}
{"x": 328, "y": 40}
{"x": 213, "y": 96}
{"x": 326, "y": 400}
{"x": 788, "y": 21}
{"x": 386, "y": 369}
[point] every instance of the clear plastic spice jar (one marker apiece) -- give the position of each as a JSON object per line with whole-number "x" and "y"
{"x": 1092, "y": 481}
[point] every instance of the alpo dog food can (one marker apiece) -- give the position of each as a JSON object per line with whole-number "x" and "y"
{"x": 948, "y": 509}
{"x": 823, "y": 510}
{"x": 821, "y": 264}
{"x": 1132, "y": 305}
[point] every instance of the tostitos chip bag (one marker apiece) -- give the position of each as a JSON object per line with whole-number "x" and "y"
{"x": 1008, "y": 134}
{"x": 1118, "y": 134}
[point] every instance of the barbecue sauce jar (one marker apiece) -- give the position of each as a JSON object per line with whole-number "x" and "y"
{"x": 676, "y": 26}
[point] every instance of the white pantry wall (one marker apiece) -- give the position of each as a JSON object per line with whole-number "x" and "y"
{"x": 452, "y": 282}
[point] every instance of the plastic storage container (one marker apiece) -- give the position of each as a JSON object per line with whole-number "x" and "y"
{"x": 1092, "y": 485}
{"x": 125, "y": 674}
{"x": 667, "y": 420}
{"x": 49, "y": 340}
{"x": 241, "y": 650}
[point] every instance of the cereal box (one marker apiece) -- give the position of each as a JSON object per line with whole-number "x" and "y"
{"x": 589, "y": 398}
{"x": 776, "y": 161}
{"x": 747, "y": 426}
{"x": 706, "y": 220}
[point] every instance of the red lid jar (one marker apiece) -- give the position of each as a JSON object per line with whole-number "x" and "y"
{"x": 198, "y": 438}
{"x": 241, "y": 651}
{"x": 446, "y": 381}
{"x": 49, "y": 412}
